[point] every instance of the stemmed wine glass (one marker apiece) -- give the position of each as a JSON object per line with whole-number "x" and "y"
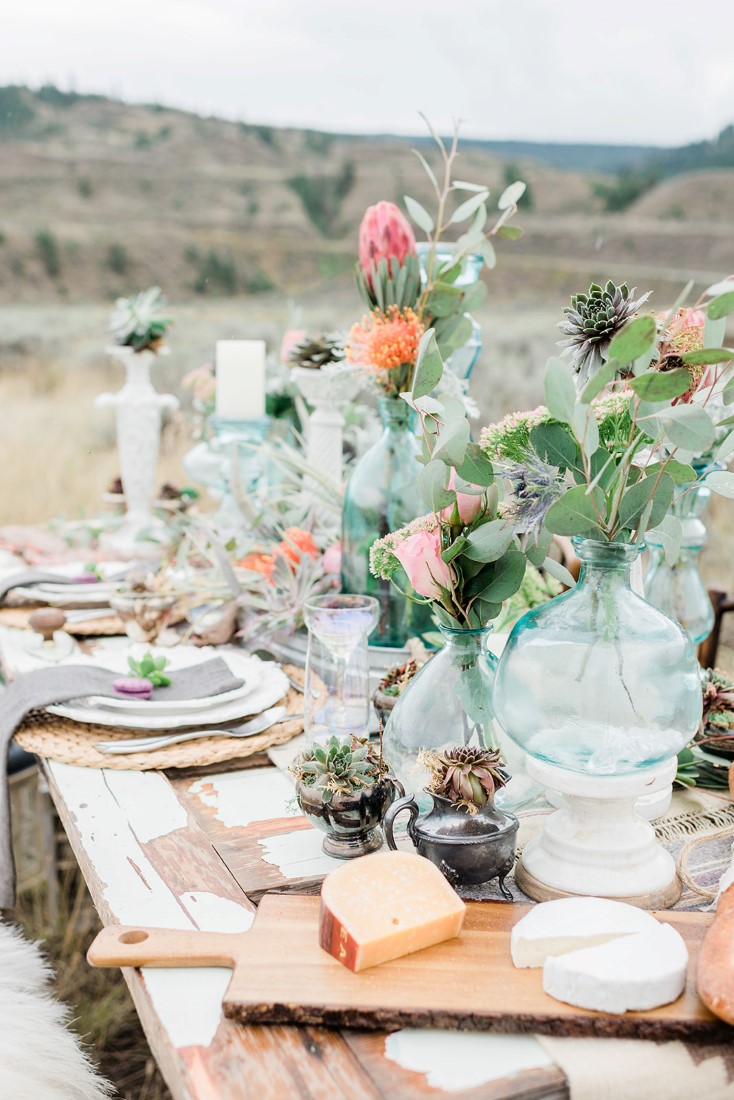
{"x": 337, "y": 695}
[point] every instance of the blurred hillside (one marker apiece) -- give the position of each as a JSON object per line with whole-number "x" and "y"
{"x": 100, "y": 197}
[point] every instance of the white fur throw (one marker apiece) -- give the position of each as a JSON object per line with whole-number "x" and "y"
{"x": 39, "y": 1058}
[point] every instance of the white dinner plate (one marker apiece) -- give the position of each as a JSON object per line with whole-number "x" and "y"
{"x": 268, "y": 684}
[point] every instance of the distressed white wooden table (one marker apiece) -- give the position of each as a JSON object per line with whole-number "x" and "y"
{"x": 185, "y": 852}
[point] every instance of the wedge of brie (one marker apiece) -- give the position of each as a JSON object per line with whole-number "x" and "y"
{"x": 569, "y": 924}
{"x": 634, "y": 972}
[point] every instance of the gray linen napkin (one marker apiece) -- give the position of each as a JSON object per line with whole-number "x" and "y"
{"x": 45, "y": 686}
{"x": 34, "y": 576}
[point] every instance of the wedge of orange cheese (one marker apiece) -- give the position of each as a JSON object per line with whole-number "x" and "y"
{"x": 386, "y": 905}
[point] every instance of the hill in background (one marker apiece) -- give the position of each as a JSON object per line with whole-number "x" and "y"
{"x": 100, "y": 197}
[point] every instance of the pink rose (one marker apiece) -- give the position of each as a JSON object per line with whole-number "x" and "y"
{"x": 420, "y": 557}
{"x": 469, "y": 506}
{"x": 332, "y": 559}
{"x": 384, "y": 232}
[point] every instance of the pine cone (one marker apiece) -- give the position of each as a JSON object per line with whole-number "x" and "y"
{"x": 592, "y": 321}
{"x": 314, "y": 352}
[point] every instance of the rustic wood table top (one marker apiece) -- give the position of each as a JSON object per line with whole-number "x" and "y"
{"x": 197, "y": 851}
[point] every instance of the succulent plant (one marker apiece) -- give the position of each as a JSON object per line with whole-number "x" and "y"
{"x": 314, "y": 352}
{"x": 592, "y": 321}
{"x": 341, "y": 766}
{"x": 139, "y": 322}
{"x": 468, "y": 776}
{"x": 718, "y": 700}
{"x": 150, "y": 668}
{"x": 397, "y": 679}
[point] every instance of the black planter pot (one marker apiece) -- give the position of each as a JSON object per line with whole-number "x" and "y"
{"x": 469, "y": 849}
{"x": 351, "y": 821}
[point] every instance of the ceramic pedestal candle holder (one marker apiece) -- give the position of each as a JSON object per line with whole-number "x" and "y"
{"x": 242, "y": 471}
{"x": 138, "y": 410}
{"x": 328, "y": 391}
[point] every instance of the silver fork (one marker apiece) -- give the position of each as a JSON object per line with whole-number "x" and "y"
{"x": 147, "y": 744}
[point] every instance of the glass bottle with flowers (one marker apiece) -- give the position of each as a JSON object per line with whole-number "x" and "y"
{"x": 404, "y": 303}
{"x": 613, "y": 450}
{"x": 674, "y": 582}
{"x": 599, "y": 687}
{"x": 460, "y": 562}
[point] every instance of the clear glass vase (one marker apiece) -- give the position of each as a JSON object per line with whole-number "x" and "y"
{"x": 463, "y": 360}
{"x": 381, "y": 496}
{"x": 598, "y": 681}
{"x": 450, "y": 702}
{"x": 678, "y": 588}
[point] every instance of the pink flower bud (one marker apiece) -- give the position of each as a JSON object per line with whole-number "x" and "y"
{"x": 469, "y": 506}
{"x": 384, "y": 232}
{"x": 420, "y": 557}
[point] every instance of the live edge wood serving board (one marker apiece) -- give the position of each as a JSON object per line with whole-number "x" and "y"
{"x": 281, "y": 975}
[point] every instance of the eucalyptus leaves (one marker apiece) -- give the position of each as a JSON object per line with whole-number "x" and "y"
{"x": 464, "y": 557}
{"x": 671, "y": 408}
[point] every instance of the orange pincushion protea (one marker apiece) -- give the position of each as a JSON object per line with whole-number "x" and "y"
{"x": 296, "y": 543}
{"x": 258, "y": 563}
{"x": 386, "y": 340}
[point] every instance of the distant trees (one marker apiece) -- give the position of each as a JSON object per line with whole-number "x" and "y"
{"x": 322, "y": 197}
{"x": 626, "y": 187}
{"x": 49, "y": 252}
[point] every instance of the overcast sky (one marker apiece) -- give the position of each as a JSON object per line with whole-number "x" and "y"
{"x": 643, "y": 71}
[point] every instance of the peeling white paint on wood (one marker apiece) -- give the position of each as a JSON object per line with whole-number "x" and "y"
{"x": 241, "y": 798}
{"x": 456, "y": 1060}
{"x": 215, "y": 914}
{"x": 298, "y": 854}
{"x": 187, "y": 1001}
{"x": 149, "y": 802}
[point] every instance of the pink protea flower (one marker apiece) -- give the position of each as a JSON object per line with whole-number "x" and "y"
{"x": 385, "y": 232}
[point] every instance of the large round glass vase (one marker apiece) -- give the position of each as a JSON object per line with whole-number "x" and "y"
{"x": 598, "y": 681}
{"x": 677, "y": 587}
{"x": 381, "y": 496}
{"x": 463, "y": 360}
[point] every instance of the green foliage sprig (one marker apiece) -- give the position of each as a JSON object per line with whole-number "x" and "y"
{"x": 150, "y": 668}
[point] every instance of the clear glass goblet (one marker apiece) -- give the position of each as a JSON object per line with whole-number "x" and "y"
{"x": 337, "y": 690}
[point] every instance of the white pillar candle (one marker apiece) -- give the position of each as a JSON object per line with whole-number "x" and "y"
{"x": 240, "y": 373}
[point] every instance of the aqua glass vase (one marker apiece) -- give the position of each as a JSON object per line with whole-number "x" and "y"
{"x": 463, "y": 360}
{"x": 382, "y": 496}
{"x": 677, "y": 587}
{"x": 598, "y": 681}
{"x": 450, "y": 703}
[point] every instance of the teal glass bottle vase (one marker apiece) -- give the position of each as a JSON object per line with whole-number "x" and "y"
{"x": 382, "y": 496}
{"x": 677, "y": 587}
{"x": 463, "y": 360}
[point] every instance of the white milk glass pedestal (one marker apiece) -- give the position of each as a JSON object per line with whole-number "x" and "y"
{"x": 138, "y": 410}
{"x": 597, "y": 843}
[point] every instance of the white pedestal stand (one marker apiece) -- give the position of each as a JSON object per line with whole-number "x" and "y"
{"x": 329, "y": 391}
{"x": 138, "y": 411}
{"x": 596, "y": 843}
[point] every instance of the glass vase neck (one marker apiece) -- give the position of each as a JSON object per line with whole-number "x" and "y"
{"x": 395, "y": 413}
{"x": 474, "y": 639}
{"x": 607, "y": 556}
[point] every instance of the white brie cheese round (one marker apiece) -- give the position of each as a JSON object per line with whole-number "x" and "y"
{"x": 632, "y": 973}
{"x": 568, "y": 924}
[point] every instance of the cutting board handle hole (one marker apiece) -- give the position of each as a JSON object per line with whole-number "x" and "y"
{"x": 133, "y": 937}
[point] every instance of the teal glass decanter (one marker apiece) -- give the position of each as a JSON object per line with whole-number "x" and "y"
{"x": 677, "y": 587}
{"x": 382, "y": 496}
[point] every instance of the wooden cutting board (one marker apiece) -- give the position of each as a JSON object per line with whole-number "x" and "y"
{"x": 281, "y": 975}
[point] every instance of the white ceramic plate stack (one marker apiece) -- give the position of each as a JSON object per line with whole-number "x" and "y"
{"x": 264, "y": 684}
{"x": 77, "y": 596}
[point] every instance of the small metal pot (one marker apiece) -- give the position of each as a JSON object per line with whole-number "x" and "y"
{"x": 351, "y": 821}
{"x": 469, "y": 849}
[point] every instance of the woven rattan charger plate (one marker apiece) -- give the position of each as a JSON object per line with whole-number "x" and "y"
{"x": 73, "y": 743}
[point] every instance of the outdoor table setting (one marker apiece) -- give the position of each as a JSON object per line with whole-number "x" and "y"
{"x": 373, "y": 795}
